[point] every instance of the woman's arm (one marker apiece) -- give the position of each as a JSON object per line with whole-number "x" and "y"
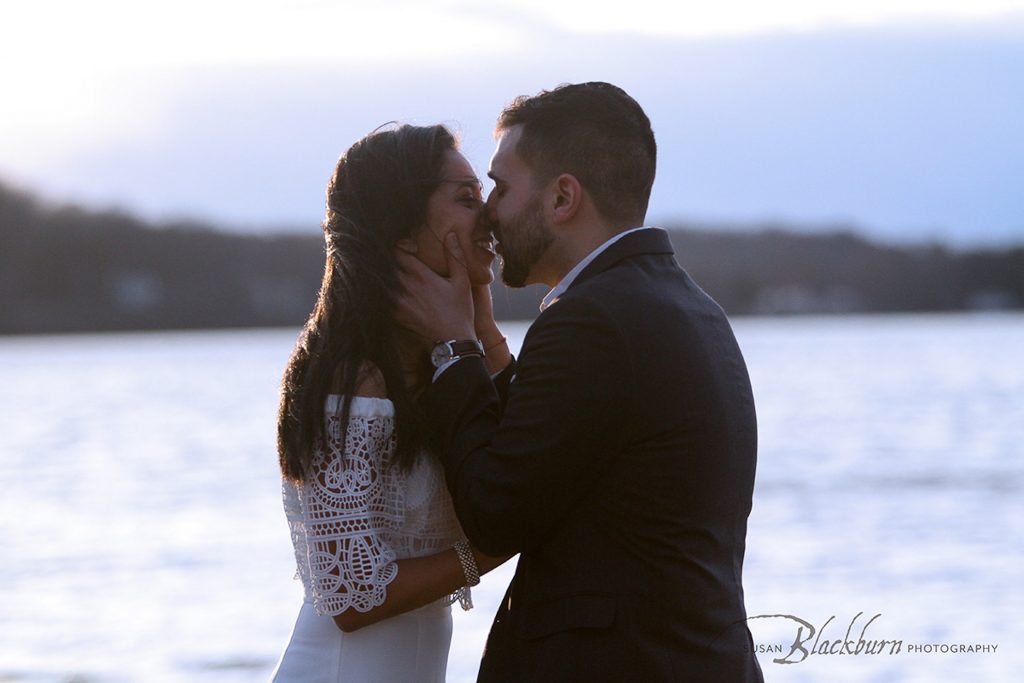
{"x": 420, "y": 581}
{"x": 496, "y": 353}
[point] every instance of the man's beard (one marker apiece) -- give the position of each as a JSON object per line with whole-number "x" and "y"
{"x": 524, "y": 239}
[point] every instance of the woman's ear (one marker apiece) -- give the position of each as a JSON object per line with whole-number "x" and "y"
{"x": 568, "y": 196}
{"x": 408, "y": 245}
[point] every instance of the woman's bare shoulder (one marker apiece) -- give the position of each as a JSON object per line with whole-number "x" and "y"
{"x": 370, "y": 382}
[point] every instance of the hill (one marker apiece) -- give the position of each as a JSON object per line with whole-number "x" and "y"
{"x": 68, "y": 269}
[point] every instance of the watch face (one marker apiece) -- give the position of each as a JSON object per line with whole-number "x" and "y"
{"x": 440, "y": 354}
{"x": 447, "y": 350}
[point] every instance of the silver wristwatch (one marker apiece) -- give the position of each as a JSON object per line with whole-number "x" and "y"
{"x": 456, "y": 348}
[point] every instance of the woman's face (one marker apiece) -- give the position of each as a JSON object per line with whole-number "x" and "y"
{"x": 457, "y": 206}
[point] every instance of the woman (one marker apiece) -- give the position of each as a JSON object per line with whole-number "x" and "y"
{"x": 378, "y": 547}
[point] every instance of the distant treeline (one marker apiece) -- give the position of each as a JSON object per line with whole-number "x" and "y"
{"x": 66, "y": 269}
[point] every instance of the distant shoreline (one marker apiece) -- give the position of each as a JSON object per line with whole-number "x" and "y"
{"x": 741, "y": 319}
{"x": 69, "y": 270}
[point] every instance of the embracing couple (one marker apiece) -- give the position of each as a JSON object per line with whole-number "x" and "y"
{"x": 615, "y": 455}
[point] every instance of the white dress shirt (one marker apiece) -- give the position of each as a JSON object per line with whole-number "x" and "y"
{"x": 564, "y": 284}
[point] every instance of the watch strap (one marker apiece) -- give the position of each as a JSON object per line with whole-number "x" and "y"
{"x": 447, "y": 351}
{"x": 466, "y": 347}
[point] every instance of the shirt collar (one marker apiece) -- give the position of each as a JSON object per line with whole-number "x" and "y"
{"x": 567, "y": 281}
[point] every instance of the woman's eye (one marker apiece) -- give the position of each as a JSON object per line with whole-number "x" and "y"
{"x": 471, "y": 201}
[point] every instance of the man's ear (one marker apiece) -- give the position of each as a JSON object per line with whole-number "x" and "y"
{"x": 568, "y": 197}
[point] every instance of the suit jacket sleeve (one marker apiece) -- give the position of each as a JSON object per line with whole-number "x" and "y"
{"x": 515, "y": 471}
{"x": 502, "y": 381}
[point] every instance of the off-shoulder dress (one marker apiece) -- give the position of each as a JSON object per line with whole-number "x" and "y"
{"x": 353, "y": 517}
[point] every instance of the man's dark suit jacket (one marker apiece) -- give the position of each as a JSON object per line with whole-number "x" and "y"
{"x": 619, "y": 462}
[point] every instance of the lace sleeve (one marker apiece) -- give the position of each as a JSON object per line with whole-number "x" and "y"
{"x": 351, "y": 509}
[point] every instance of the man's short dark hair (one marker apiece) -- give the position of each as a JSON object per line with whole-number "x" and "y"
{"x": 597, "y": 133}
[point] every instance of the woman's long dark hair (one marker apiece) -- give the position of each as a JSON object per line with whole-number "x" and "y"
{"x": 377, "y": 196}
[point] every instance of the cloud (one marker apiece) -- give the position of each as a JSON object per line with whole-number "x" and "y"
{"x": 911, "y": 131}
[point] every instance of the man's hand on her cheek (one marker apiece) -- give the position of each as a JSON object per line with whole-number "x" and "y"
{"x": 434, "y": 307}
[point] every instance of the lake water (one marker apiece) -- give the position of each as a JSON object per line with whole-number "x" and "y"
{"x": 142, "y": 537}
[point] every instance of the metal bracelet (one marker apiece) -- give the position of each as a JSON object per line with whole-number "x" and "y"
{"x": 468, "y": 562}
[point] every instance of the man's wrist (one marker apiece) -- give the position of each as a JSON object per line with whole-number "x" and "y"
{"x": 445, "y": 352}
{"x": 455, "y": 361}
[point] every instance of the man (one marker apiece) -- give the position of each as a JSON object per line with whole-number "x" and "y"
{"x": 619, "y": 460}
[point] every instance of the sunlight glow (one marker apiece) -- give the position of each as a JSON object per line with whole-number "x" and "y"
{"x": 118, "y": 32}
{"x": 75, "y": 74}
{"x": 82, "y": 74}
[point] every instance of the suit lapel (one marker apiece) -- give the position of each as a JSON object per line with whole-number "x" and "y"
{"x": 651, "y": 241}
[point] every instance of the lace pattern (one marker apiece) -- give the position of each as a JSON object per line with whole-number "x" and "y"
{"x": 355, "y": 514}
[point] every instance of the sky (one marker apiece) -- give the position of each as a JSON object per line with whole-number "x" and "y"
{"x": 898, "y": 118}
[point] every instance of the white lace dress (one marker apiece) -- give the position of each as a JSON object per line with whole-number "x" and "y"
{"x": 350, "y": 521}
